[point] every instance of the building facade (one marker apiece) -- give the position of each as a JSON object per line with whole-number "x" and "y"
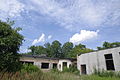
{"x": 45, "y": 63}
{"x": 108, "y": 59}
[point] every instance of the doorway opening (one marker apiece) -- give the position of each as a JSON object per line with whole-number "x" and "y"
{"x": 83, "y": 69}
{"x": 54, "y": 65}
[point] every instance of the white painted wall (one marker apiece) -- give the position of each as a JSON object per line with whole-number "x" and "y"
{"x": 61, "y": 63}
{"x": 97, "y": 60}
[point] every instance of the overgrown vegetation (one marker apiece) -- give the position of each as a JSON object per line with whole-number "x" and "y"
{"x": 104, "y": 73}
{"x": 29, "y": 68}
{"x": 53, "y": 76}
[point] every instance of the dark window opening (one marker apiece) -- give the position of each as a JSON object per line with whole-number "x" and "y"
{"x": 64, "y": 64}
{"x": 45, "y": 65}
{"x": 54, "y": 65}
{"x": 83, "y": 69}
{"x": 109, "y": 62}
{"x": 108, "y": 56}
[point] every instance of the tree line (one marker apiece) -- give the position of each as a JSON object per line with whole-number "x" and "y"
{"x": 67, "y": 50}
{"x": 57, "y": 50}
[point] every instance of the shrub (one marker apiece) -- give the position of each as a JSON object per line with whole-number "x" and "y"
{"x": 29, "y": 68}
{"x": 71, "y": 69}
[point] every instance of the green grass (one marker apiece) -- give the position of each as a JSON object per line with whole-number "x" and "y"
{"x": 52, "y": 76}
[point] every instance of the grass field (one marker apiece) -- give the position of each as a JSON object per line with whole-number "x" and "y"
{"x": 52, "y": 76}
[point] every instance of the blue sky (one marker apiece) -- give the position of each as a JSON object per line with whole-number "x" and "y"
{"x": 90, "y": 22}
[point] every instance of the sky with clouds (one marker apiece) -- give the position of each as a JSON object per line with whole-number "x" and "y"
{"x": 89, "y": 22}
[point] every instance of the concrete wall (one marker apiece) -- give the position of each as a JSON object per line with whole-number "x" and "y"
{"x": 96, "y": 60}
{"x": 61, "y": 63}
{"x": 38, "y": 62}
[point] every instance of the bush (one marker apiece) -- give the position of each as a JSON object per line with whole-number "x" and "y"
{"x": 29, "y": 68}
{"x": 104, "y": 73}
{"x": 71, "y": 69}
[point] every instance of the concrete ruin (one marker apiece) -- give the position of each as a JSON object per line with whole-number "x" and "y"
{"x": 45, "y": 63}
{"x": 108, "y": 59}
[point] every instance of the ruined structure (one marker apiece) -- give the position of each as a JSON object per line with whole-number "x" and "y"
{"x": 108, "y": 59}
{"x": 45, "y": 63}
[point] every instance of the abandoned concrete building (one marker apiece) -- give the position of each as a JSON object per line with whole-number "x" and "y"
{"x": 45, "y": 63}
{"x": 108, "y": 59}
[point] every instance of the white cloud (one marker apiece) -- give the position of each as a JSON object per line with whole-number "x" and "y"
{"x": 87, "y": 13}
{"x": 10, "y": 8}
{"x": 50, "y": 36}
{"x": 41, "y": 39}
{"x": 83, "y": 36}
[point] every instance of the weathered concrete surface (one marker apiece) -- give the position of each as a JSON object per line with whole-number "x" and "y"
{"x": 38, "y": 61}
{"x": 61, "y": 63}
{"x": 96, "y": 60}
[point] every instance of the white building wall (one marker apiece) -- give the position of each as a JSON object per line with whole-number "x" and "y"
{"x": 61, "y": 63}
{"x": 96, "y": 60}
{"x": 38, "y": 64}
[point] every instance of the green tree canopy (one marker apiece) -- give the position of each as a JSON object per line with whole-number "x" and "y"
{"x": 67, "y": 48}
{"x": 56, "y": 49}
{"x": 79, "y": 49}
{"x": 10, "y": 42}
{"x": 107, "y": 45}
{"x": 37, "y": 50}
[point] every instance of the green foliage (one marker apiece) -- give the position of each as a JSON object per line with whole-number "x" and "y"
{"x": 55, "y": 49}
{"x": 104, "y": 73}
{"x": 52, "y": 76}
{"x": 107, "y": 45}
{"x": 10, "y": 42}
{"x": 79, "y": 49}
{"x": 37, "y": 50}
{"x": 71, "y": 69}
{"x": 29, "y": 68}
{"x": 67, "y": 48}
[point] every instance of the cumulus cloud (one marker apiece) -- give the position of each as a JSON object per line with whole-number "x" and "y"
{"x": 50, "y": 36}
{"x": 10, "y": 8}
{"x": 41, "y": 39}
{"x": 83, "y": 36}
{"x": 90, "y": 13}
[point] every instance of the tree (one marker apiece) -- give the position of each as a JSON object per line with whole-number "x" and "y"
{"x": 10, "y": 42}
{"x": 48, "y": 49}
{"x": 37, "y": 50}
{"x": 66, "y": 48}
{"x": 56, "y": 49}
{"x": 79, "y": 49}
{"x": 107, "y": 45}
